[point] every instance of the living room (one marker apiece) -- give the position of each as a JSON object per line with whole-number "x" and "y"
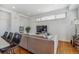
{"x": 54, "y": 22}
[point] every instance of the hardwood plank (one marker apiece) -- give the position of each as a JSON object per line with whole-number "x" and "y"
{"x": 63, "y": 48}
{"x": 66, "y": 48}
{"x": 21, "y": 50}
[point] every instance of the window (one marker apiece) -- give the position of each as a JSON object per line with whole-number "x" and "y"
{"x": 38, "y": 19}
{"x": 60, "y": 16}
{"x": 52, "y": 17}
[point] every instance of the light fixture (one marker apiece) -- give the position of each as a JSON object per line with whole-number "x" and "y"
{"x": 13, "y": 6}
{"x": 38, "y": 10}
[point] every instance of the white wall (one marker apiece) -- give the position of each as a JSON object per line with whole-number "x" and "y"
{"x": 4, "y": 21}
{"x": 18, "y": 20}
{"x": 64, "y": 28}
{"x": 10, "y": 21}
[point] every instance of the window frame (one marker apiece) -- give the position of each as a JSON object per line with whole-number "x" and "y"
{"x": 50, "y": 19}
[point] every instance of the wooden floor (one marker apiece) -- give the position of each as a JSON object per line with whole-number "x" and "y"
{"x": 66, "y": 48}
{"x": 63, "y": 48}
{"x": 21, "y": 50}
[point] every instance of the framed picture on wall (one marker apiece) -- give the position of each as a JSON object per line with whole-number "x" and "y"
{"x": 21, "y": 29}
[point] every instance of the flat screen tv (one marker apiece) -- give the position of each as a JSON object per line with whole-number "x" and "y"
{"x": 41, "y": 29}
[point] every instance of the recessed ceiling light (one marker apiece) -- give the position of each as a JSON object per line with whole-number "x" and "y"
{"x": 13, "y": 7}
{"x": 38, "y": 9}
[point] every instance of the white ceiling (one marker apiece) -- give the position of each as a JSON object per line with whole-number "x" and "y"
{"x": 34, "y": 9}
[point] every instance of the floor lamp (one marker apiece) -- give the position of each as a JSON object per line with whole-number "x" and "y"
{"x": 76, "y": 22}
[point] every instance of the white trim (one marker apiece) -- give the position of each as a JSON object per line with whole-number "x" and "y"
{"x": 65, "y": 40}
{"x": 11, "y": 11}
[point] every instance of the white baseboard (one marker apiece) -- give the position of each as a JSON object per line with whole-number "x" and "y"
{"x": 65, "y": 40}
